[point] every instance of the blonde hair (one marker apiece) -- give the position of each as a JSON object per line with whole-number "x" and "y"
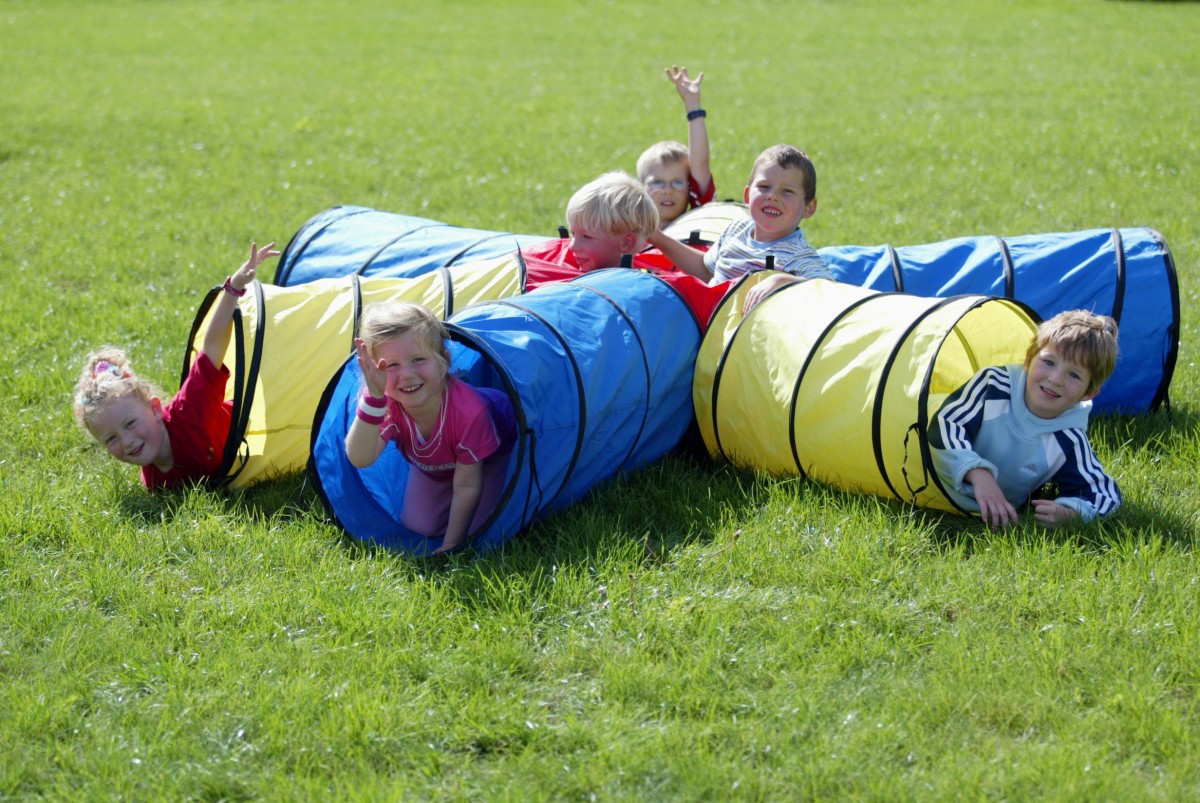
{"x": 788, "y": 156}
{"x": 383, "y": 321}
{"x": 667, "y": 152}
{"x": 615, "y": 203}
{"x": 1082, "y": 337}
{"x": 107, "y": 377}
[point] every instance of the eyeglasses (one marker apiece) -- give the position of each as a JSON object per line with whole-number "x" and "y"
{"x": 658, "y": 185}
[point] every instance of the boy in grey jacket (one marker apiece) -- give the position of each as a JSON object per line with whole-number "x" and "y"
{"x": 1011, "y": 429}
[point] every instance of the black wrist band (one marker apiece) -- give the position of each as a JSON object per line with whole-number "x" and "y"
{"x": 695, "y": 113}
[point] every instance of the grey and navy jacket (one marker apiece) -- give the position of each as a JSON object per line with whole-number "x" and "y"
{"x": 985, "y": 423}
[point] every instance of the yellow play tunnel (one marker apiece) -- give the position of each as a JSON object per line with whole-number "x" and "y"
{"x": 838, "y": 383}
{"x": 288, "y": 342}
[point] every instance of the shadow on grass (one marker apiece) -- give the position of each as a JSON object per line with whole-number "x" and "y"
{"x": 1133, "y": 520}
{"x": 688, "y": 498}
{"x": 280, "y": 499}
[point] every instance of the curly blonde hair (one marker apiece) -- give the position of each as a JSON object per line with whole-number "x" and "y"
{"x": 108, "y": 376}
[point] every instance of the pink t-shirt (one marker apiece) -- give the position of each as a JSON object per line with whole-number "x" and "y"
{"x": 477, "y": 423}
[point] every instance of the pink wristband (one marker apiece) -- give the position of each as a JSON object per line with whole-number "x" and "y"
{"x": 233, "y": 291}
{"x": 371, "y": 409}
{"x": 366, "y": 417}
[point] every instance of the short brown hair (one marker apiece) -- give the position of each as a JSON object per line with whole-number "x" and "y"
{"x": 668, "y": 152}
{"x": 1082, "y": 337}
{"x": 783, "y": 155}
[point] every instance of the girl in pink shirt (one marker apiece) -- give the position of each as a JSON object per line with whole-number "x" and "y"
{"x": 456, "y": 437}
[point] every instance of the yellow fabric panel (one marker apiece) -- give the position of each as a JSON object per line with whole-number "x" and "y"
{"x": 307, "y": 334}
{"x": 428, "y": 290}
{"x": 759, "y": 368}
{"x": 726, "y": 319}
{"x": 899, "y": 439}
{"x": 710, "y": 220}
{"x": 842, "y": 351}
{"x": 836, "y": 401}
{"x": 486, "y": 280}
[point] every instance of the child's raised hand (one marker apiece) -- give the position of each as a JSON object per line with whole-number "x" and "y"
{"x": 372, "y": 370}
{"x": 242, "y": 277}
{"x": 687, "y": 87}
{"x": 1051, "y": 513}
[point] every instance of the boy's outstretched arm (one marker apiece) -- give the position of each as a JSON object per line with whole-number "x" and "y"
{"x": 220, "y": 326}
{"x": 686, "y": 258}
{"x": 689, "y": 91}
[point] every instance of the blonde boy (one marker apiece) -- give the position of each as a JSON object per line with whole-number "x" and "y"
{"x": 1011, "y": 429}
{"x": 677, "y": 176}
{"x": 609, "y": 218}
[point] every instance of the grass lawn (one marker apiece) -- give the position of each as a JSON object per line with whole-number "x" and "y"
{"x": 690, "y": 632}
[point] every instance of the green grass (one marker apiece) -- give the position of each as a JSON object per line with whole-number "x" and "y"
{"x": 690, "y": 632}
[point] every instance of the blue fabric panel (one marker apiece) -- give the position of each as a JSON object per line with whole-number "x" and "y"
{"x": 867, "y": 266}
{"x": 1051, "y": 273}
{"x": 965, "y": 266}
{"x": 428, "y": 248}
{"x": 346, "y": 240}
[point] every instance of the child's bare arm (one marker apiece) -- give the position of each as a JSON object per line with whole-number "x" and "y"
{"x": 686, "y": 258}
{"x": 758, "y": 292}
{"x": 363, "y": 444}
{"x": 468, "y": 487}
{"x": 220, "y": 325}
{"x": 689, "y": 91}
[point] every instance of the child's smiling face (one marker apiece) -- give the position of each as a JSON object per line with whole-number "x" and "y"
{"x": 131, "y": 429}
{"x": 667, "y": 183}
{"x": 778, "y": 202}
{"x": 1054, "y": 384}
{"x": 415, "y": 374}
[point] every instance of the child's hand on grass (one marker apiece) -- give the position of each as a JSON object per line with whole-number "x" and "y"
{"x": 994, "y": 509}
{"x": 1051, "y": 513}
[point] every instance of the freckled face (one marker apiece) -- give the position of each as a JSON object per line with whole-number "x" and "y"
{"x": 1054, "y": 384}
{"x": 776, "y": 200}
